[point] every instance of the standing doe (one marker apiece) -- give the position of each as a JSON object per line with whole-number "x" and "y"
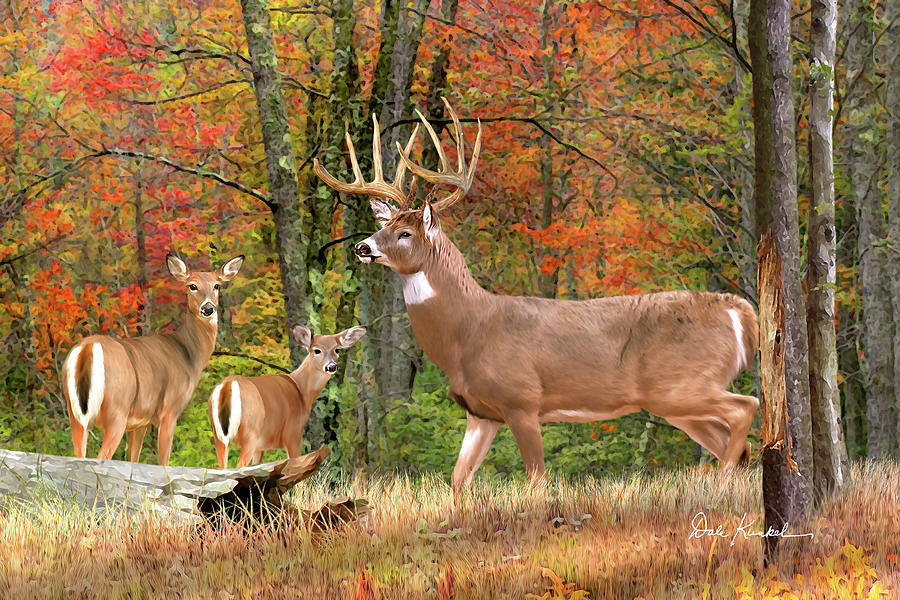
{"x": 524, "y": 361}
{"x": 128, "y": 384}
{"x": 270, "y": 411}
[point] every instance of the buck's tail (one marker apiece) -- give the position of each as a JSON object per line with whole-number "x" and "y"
{"x": 746, "y": 328}
{"x": 85, "y": 382}
{"x": 225, "y": 411}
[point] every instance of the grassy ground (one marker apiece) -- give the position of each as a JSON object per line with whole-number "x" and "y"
{"x": 624, "y": 538}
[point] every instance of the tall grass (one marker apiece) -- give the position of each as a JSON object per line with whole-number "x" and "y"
{"x": 622, "y": 537}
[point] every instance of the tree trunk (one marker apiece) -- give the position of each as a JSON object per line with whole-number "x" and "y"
{"x": 864, "y": 171}
{"x": 280, "y": 163}
{"x": 892, "y": 104}
{"x": 829, "y": 453}
{"x": 344, "y": 113}
{"x": 786, "y": 468}
{"x": 547, "y": 282}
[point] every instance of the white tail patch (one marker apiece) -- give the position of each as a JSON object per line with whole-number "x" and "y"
{"x": 96, "y": 390}
{"x": 234, "y": 418}
{"x": 416, "y": 288}
{"x": 741, "y": 360}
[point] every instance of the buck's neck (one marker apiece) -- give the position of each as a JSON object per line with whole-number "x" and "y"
{"x": 310, "y": 380}
{"x": 198, "y": 337}
{"x": 443, "y": 301}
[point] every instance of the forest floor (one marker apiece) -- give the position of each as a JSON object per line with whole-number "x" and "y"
{"x": 628, "y": 537}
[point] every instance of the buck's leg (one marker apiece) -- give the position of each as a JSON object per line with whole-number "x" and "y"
{"x": 527, "y": 430}
{"x": 165, "y": 434}
{"x": 135, "y": 441}
{"x": 112, "y": 436}
{"x": 709, "y": 432}
{"x": 294, "y": 448}
{"x": 743, "y": 408}
{"x": 479, "y": 435}
{"x": 257, "y": 457}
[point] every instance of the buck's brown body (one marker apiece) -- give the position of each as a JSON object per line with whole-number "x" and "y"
{"x": 270, "y": 411}
{"x": 523, "y": 361}
{"x": 132, "y": 383}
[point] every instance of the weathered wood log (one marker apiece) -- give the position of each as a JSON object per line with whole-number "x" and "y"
{"x": 116, "y": 485}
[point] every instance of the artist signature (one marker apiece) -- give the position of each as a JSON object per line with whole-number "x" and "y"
{"x": 701, "y": 529}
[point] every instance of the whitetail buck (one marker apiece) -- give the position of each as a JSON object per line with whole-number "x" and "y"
{"x": 524, "y": 361}
{"x": 128, "y": 384}
{"x": 271, "y": 411}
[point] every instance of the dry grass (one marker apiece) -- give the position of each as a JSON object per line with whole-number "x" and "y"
{"x": 614, "y": 538}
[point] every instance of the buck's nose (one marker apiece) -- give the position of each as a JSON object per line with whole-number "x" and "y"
{"x": 363, "y": 249}
{"x": 207, "y": 308}
{"x": 331, "y": 367}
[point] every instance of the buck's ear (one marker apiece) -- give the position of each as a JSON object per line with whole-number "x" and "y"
{"x": 177, "y": 268}
{"x": 383, "y": 211}
{"x": 348, "y": 337}
{"x": 302, "y": 335}
{"x": 430, "y": 222}
{"x": 227, "y": 271}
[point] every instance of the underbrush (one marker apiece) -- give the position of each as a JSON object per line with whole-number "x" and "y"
{"x": 625, "y": 537}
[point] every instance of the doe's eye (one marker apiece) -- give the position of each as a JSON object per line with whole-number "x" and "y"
{"x": 337, "y": 351}
{"x": 193, "y": 287}
{"x": 317, "y": 351}
{"x": 404, "y": 234}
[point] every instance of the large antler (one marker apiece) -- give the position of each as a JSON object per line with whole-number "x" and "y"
{"x": 461, "y": 178}
{"x": 378, "y": 187}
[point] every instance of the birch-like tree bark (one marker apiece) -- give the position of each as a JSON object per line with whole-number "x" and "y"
{"x": 280, "y": 163}
{"x": 787, "y": 466}
{"x": 829, "y": 452}
{"x": 864, "y": 168}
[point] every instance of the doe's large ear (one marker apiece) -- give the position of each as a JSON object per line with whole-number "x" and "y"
{"x": 348, "y": 337}
{"x": 227, "y": 271}
{"x": 302, "y": 335}
{"x": 430, "y": 222}
{"x": 177, "y": 268}
{"x": 383, "y": 211}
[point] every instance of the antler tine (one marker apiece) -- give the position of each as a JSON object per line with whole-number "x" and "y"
{"x": 461, "y": 178}
{"x": 401, "y": 166}
{"x": 377, "y": 187}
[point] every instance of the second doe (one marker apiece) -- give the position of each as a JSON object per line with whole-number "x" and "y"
{"x": 270, "y": 411}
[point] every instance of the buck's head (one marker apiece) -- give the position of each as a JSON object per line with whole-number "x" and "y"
{"x": 324, "y": 349}
{"x": 202, "y": 287}
{"x": 404, "y": 240}
{"x": 406, "y": 235}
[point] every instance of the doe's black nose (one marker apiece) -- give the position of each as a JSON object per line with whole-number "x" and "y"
{"x": 331, "y": 367}
{"x": 362, "y": 249}
{"x": 207, "y": 309}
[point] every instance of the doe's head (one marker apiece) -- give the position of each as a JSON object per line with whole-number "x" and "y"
{"x": 202, "y": 287}
{"x": 325, "y": 349}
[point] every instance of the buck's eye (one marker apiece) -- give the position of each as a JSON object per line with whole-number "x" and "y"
{"x": 404, "y": 234}
{"x": 317, "y": 351}
{"x": 216, "y": 286}
{"x": 336, "y": 352}
{"x": 193, "y": 287}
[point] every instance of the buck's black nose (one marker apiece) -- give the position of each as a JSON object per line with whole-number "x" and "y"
{"x": 331, "y": 367}
{"x": 207, "y": 309}
{"x": 362, "y": 249}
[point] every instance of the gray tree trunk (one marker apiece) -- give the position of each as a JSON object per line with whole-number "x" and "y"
{"x": 547, "y": 283}
{"x": 892, "y": 104}
{"x": 829, "y": 453}
{"x": 864, "y": 171}
{"x": 280, "y": 163}
{"x": 788, "y": 467}
{"x": 344, "y": 113}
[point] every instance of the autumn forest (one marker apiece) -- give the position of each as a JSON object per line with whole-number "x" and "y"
{"x": 618, "y": 158}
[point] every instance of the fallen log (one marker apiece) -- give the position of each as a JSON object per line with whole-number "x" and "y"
{"x": 113, "y": 484}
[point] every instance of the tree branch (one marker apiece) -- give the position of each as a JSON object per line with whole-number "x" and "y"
{"x": 251, "y": 357}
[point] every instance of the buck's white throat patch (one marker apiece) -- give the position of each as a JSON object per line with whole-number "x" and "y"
{"x": 416, "y": 288}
